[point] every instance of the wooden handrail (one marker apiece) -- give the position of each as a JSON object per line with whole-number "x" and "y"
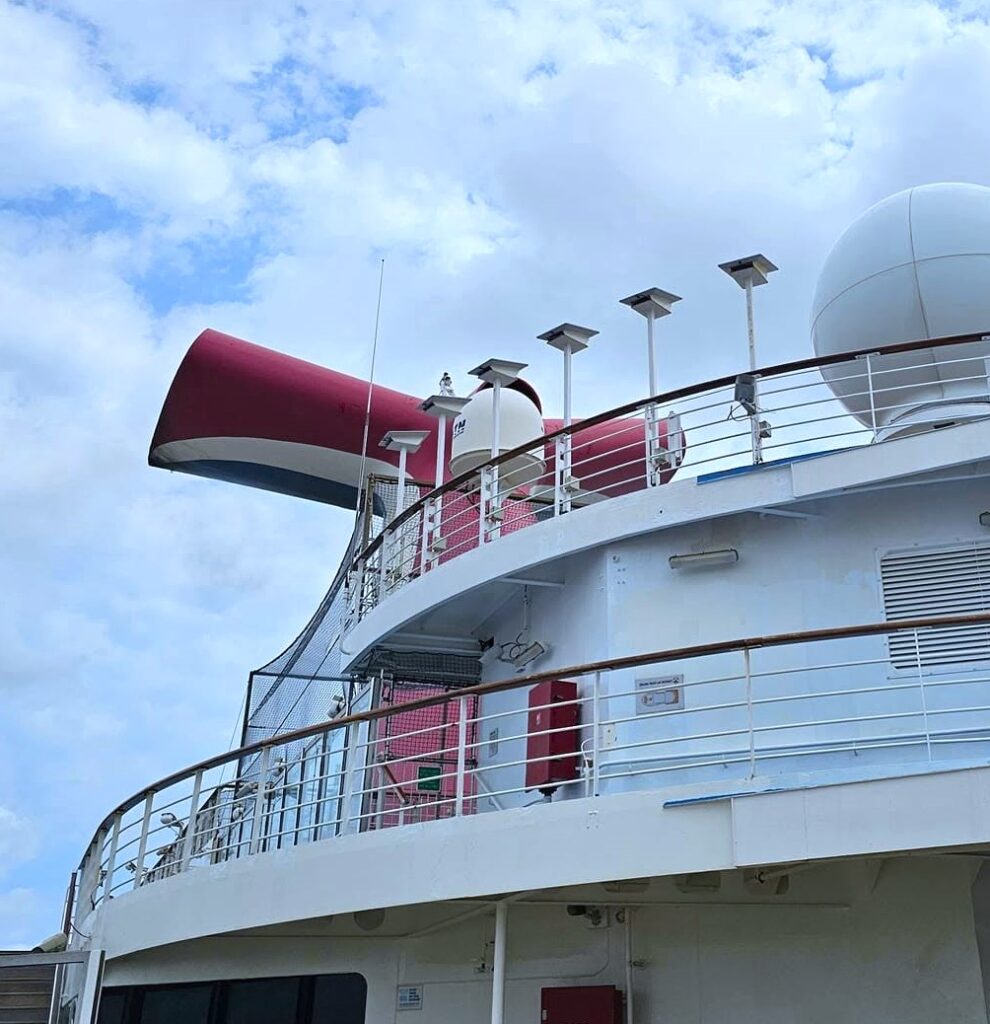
{"x": 688, "y": 391}
{"x": 587, "y": 668}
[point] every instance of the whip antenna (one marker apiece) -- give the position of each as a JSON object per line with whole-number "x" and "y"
{"x": 371, "y": 384}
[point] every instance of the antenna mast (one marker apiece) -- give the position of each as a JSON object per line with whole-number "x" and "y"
{"x": 371, "y": 384}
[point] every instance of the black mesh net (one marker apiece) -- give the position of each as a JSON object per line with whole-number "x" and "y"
{"x": 305, "y": 683}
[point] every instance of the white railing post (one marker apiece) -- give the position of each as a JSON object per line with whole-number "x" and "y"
{"x": 565, "y": 469}
{"x": 189, "y": 839}
{"x": 869, "y": 385}
{"x": 112, "y": 855}
{"x": 924, "y": 698}
{"x": 498, "y": 962}
{"x": 380, "y": 797}
{"x": 756, "y": 439}
{"x": 558, "y": 478}
{"x": 427, "y": 541}
{"x": 143, "y": 842}
{"x": 384, "y": 557}
{"x": 462, "y": 711}
{"x": 488, "y": 516}
{"x": 652, "y": 445}
{"x": 348, "y": 753}
{"x": 749, "y": 712}
{"x": 596, "y": 741}
{"x": 257, "y": 825}
{"x": 357, "y": 597}
{"x": 495, "y": 510}
{"x": 868, "y": 359}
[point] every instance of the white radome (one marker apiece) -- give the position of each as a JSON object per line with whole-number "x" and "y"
{"x": 914, "y": 266}
{"x": 519, "y": 421}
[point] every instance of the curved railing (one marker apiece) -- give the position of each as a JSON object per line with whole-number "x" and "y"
{"x": 777, "y": 413}
{"x": 835, "y": 702}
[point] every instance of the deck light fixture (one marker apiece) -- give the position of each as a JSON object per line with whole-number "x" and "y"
{"x": 651, "y": 304}
{"x": 529, "y": 653}
{"x": 700, "y": 559}
{"x": 985, "y": 519}
{"x": 568, "y": 339}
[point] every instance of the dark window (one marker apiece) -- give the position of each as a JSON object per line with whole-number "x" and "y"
{"x": 264, "y": 1001}
{"x": 113, "y": 1003}
{"x": 187, "y": 1003}
{"x": 309, "y": 999}
{"x": 339, "y": 999}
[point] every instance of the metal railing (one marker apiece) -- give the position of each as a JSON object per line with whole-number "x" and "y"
{"x": 779, "y": 413}
{"x": 59, "y": 988}
{"x": 830, "y": 701}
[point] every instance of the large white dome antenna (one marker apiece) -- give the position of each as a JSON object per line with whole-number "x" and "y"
{"x": 914, "y": 266}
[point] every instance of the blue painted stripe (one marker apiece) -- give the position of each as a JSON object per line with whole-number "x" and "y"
{"x": 707, "y": 478}
{"x": 272, "y": 478}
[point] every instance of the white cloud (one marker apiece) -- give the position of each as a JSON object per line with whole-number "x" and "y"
{"x": 64, "y": 127}
{"x": 19, "y": 910}
{"x": 18, "y": 839}
{"x": 518, "y": 164}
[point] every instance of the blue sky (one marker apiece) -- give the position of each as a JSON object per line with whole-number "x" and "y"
{"x": 168, "y": 167}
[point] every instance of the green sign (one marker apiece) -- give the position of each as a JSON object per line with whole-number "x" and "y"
{"x": 428, "y": 778}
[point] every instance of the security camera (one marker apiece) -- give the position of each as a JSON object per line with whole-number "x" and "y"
{"x": 53, "y": 944}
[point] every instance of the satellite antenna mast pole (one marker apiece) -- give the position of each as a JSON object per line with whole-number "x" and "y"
{"x": 443, "y": 406}
{"x": 750, "y": 330}
{"x": 568, "y": 339}
{"x": 652, "y": 303}
{"x": 497, "y": 373}
{"x": 749, "y": 272}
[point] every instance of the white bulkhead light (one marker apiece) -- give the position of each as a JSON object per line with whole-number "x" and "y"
{"x": 520, "y": 421}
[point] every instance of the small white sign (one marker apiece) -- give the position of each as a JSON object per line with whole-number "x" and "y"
{"x": 659, "y": 693}
{"x": 410, "y": 997}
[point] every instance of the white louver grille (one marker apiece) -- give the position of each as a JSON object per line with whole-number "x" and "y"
{"x": 919, "y": 584}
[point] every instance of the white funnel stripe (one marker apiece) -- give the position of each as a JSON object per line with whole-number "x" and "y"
{"x": 310, "y": 459}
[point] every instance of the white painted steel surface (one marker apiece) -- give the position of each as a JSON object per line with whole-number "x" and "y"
{"x": 897, "y": 936}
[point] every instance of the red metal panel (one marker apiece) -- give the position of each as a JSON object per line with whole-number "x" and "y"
{"x": 552, "y": 743}
{"x": 585, "y": 1004}
{"x": 423, "y": 737}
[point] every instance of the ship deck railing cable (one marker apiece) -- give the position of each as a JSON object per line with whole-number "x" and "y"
{"x": 796, "y": 409}
{"x": 833, "y": 700}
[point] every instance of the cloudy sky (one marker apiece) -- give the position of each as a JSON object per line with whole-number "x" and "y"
{"x": 168, "y": 166}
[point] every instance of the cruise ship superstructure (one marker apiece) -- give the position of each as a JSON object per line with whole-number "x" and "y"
{"x": 677, "y": 713}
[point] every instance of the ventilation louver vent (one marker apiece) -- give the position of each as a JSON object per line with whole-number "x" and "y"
{"x": 920, "y": 584}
